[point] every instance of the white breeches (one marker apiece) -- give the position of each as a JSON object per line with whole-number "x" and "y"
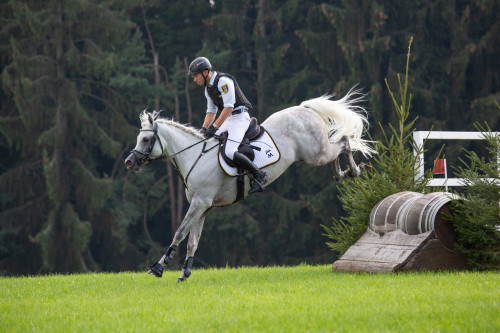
{"x": 236, "y": 126}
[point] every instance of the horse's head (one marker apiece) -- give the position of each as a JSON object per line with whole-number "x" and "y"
{"x": 149, "y": 146}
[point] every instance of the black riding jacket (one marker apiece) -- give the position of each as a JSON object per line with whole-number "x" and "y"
{"x": 216, "y": 96}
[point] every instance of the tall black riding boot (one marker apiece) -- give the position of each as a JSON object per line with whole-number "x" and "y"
{"x": 259, "y": 177}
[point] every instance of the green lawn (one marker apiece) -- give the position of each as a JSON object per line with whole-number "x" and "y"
{"x": 275, "y": 299}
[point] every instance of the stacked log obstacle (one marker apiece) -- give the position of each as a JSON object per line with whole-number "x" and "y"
{"x": 407, "y": 231}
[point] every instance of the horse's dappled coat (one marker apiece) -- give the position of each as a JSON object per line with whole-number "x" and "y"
{"x": 316, "y": 132}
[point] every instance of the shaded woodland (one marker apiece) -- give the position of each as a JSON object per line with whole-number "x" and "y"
{"x": 75, "y": 75}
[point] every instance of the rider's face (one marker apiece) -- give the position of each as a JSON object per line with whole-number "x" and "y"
{"x": 198, "y": 78}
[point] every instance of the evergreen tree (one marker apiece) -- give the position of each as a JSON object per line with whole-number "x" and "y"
{"x": 84, "y": 104}
{"x": 393, "y": 170}
{"x": 67, "y": 123}
{"x": 477, "y": 216}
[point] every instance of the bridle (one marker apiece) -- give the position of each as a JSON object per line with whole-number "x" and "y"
{"x": 144, "y": 158}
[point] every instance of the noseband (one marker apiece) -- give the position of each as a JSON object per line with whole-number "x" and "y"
{"x": 144, "y": 157}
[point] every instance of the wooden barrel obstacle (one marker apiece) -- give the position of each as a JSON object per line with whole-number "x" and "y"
{"x": 415, "y": 213}
{"x": 407, "y": 231}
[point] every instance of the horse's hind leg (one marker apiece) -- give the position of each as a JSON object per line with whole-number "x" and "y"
{"x": 337, "y": 171}
{"x": 354, "y": 170}
{"x": 194, "y": 238}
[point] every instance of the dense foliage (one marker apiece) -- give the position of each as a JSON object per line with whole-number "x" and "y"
{"x": 477, "y": 216}
{"x": 393, "y": 170}
{"x": 75, "y": 75}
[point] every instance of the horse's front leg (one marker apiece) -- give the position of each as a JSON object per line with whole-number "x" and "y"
{"x": 194, "y": 238}
{"x": 196, "y": 209}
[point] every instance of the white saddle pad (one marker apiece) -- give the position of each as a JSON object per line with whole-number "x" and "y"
{"x": 268, "y": 154}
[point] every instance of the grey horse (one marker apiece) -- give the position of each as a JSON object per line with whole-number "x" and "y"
{"x": 316, "y": 132}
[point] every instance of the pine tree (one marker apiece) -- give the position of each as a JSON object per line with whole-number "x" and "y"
{"x": 477, "y": 216}
{"x": 393, "y": 170}
{"x": 67, "y": 122}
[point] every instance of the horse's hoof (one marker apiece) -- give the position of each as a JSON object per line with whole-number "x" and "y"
{"x": 188, "y": 265}
{"x": 156, "y": 270}
{"x": 365, "y": 167}
{"x": 181, "y": 279}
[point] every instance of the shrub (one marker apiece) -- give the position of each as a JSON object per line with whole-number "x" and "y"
{"x": 393, "y": 170}
{"x": 477, "y": 217}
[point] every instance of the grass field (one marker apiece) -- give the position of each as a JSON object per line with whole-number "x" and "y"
{"x": 275, "y": 299}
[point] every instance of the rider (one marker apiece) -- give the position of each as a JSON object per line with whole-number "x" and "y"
{"x": 224, "y": 94}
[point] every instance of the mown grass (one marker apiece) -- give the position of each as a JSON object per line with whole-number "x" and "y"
{"x": 275, "y": 299}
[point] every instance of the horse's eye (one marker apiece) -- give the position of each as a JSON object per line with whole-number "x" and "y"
{"x": 146, "y": 139}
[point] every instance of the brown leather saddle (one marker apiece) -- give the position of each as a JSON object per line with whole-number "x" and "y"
{"x": 254, "y": 132}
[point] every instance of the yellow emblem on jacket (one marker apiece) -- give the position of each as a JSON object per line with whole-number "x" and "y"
{"x": 225, "y": 89}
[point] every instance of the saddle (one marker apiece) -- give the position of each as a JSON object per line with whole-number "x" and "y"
{"x": 254, "y": 132}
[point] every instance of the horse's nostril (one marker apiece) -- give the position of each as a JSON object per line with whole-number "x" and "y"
{"x": 128, "y": 162}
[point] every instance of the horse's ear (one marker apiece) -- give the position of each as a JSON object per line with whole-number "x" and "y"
{"x": 150, "y": 118}
{"x": 156, "y": 114}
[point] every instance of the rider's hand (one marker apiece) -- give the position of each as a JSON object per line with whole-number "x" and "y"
{"x": 203, "y": 131}
{"x": 210, "y": 131}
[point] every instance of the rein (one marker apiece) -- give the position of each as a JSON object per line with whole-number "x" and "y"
{"x": 203, "y": 151}
{"x": 194, "y": 144}
{"x": 145, "y": 156}
{"x": 145, "y": 159}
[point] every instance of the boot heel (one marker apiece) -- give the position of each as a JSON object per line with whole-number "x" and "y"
{"x": 259, "y": 177}
{"x": 258, "y": 183}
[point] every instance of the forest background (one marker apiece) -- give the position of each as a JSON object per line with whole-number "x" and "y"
{"x": 76, "y": 74}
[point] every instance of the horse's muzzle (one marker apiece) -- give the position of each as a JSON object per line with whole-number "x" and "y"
{"x": 131, "y": 163}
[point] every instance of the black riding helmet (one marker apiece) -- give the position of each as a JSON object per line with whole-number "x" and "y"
{"x": 198, "y": 65}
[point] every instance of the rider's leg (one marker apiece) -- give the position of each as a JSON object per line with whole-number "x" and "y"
{"x": 237, "y": 126}
{"x": 259, "y": 176}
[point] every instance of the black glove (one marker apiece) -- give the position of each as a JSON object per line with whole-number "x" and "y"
{"x": 203, "y": 131}
{"x": 210, "y": 132}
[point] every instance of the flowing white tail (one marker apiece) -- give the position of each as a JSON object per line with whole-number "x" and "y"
{"x": 344, "y": 118}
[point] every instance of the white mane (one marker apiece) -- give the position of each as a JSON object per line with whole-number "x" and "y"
{"x": 155, "y": 115}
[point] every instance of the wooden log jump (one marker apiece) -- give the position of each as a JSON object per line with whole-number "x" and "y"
{"x": 407, "y": 231}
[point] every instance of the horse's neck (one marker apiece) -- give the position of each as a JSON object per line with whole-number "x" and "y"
{"x": 176, "y": 139}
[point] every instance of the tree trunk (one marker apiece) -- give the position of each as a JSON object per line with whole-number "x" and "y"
{"x": 260, "y": 32}
{"x": 188, "y": 97}
{"x": 156, "y": 70}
